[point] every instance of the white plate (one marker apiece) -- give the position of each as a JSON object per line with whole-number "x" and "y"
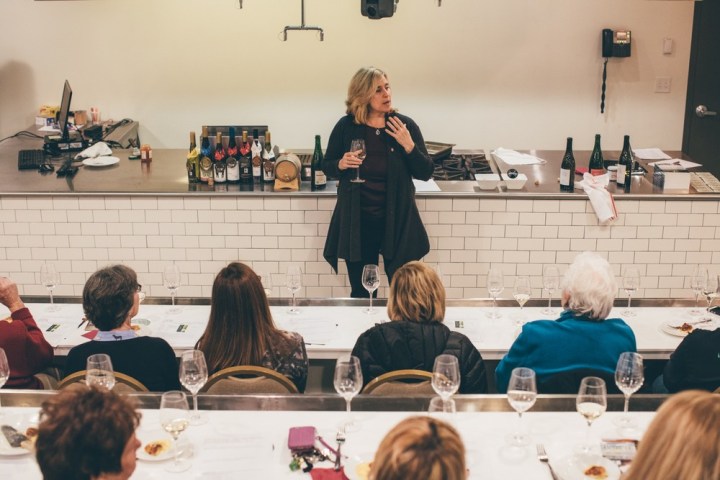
{"x": 574, "y": 466}
{"x": 103, "y": 161}
{"x": 356, "y": 464}
{"x": 19, "y": 423}
{"x": 168, "y": 454}
{"x": 671, "y": 329}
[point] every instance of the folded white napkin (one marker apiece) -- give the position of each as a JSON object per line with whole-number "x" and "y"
{"x": 97, "y": 150}
{"x": 600, "y": 199}
{"x": 512, "y": 157}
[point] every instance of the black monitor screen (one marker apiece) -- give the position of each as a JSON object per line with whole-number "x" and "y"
{"x": 65, "y": 111}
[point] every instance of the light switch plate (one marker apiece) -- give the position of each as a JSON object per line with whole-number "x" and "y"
{"x": 663, "y": 84}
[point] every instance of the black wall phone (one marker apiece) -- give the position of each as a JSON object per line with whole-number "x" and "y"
{"x": 614, "y": 44}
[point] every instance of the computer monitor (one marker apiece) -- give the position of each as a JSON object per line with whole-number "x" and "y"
{"x": 65, "y": 112}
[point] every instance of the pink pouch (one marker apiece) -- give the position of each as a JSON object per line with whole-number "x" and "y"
{"x": 301, "y": 438}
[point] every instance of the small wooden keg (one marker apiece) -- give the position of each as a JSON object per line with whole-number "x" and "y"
{"x": 287, "y": 172}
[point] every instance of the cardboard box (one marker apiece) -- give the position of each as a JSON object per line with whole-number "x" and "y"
{"x": 672, "y": 181}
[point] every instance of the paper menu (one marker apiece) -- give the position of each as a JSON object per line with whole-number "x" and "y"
{"x": 650, "y": 154}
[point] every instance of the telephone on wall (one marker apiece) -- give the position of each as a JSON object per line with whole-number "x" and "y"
{"x": 615, "y": 43}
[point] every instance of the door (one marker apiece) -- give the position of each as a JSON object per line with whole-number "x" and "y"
{"x": 701, "y": 135}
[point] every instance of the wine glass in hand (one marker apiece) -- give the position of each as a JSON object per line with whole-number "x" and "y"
{"x": 348, "y": 382}
{"x": 551, "y": 281}
{"x": 293, "y": 281}
{"x": 446, "y": 376}
{"x": 171, "y": 280}
{"x": 193, "y": 375}
{"x": 49, "y": 278}
{"x": 629, "y": 377}
{"x": 631, "y": 282}
{"x": 371, "y": 282}
{"x": 698, "y": 282}
{"x": 358, "y": 145}
{"x": 174, "y": 419}
{"x": 591, "y": 402}
{"x": 495, "y": 286}
{"x": 521, "y": 395}
{"x": 4, "y": 368}
{"x": 99, "y": 371}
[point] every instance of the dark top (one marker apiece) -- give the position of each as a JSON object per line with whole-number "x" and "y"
{"x": 150, "y": 360}
{"x": 405, "y": 236}
{"x": 374, "y": 171}
{"x": 26, "y": 349}
{"x": 293, "y": 363}
{"x": 695, "y": 363}
{"x": 403, "y": 345}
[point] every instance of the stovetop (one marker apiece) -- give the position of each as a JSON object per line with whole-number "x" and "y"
{"x": 461, "y": 167}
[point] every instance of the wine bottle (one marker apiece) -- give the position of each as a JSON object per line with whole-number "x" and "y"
{"x": 567, "y": 169}
{"x": 245, "y": 160}
{"x": 625, "y": 164}
{"x": 268, "y": 160}
{"x": 597, "y": 166}
{"x": 256, "y": 157}
{"x": 233, "y": 167}
{"x": 317, "y": 176}
{"x": 206, "y": 168}
{"x": 219, "y": 165}
{"x": 193, "y": 161}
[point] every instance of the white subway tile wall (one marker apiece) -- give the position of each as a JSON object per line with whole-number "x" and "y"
{"x": 665, "y": 239}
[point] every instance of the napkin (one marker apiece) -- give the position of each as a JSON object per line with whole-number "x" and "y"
{"x": 512, "y": 157}
{"x": 600, "y": 199}
{"x": 327, "y": 474}
{"x": 97, "y": 150}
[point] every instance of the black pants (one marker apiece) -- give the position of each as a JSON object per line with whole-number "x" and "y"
{"x": 373, "y": 231}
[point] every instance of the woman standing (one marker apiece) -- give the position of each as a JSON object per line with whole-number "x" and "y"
{"x": 378, "y": 215}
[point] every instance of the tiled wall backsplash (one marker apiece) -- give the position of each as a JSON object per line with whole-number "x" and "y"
{"x": 665, "y": 239}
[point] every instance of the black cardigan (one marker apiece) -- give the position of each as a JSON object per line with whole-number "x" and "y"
{"x": 405, "y": 236}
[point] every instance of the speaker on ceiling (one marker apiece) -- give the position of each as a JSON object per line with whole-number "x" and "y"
{"x": 378, "y": 8}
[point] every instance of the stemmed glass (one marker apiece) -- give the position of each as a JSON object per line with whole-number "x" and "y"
{"x": 348, "y": 382}
{"x": 171, "y": 280}
{"x": 631, "y": 282}
{"x": 446, "y": 376}
{"x": 591, "y": 402}
{"x": 697, "y": 283}
{"x": 521, "y": 395}
{"x": 495, "y": 286}
{"x": 710, "y": 292}
{"x": 551, "y": 281}
{"x": 629, "y": 377}
{"x": 4, "y": 368}
{"x": 174, "y": 420}
{"x": 49, "y": 278}
{"x": 521, "y": 292}
{"x": 99, "y": 371}
{"x": 371, "y": 282}
{"x": 193, "y": 375}
{"x": 266, "y": 280}
{"x": 355, "y": 145}
{"x": 293, "y": 281}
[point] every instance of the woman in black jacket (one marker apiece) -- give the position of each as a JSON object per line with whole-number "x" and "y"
{"x": 379, "y": 214}
{"x": 416, "y": 334}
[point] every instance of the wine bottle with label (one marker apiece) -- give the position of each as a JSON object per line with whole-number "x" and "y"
{"x": 317, "y": 176}
{"x": 268, "y": 160}
{"x": 219, "y": 165}
{"x": 233, "y": 166}
{"x": 246, "y": 175}
{"x": 597, "y": 165}
{"x": 625, "y": 164}
{"x": 193, "y": 161}
{"x": 206, "y": 167}
{"x": 256, "y": 156}
{"x": 567, "y": 168}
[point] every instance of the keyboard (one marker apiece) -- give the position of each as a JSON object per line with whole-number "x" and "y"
{"x": 30, "y": 159}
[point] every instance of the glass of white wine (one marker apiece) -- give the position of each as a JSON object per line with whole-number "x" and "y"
{"x": 174, "y": 419}
{"x": 358, "y": 145}
{"x": 521, "y": 395}
{"x": 591, "y": 402}
{"x": 495, "y": 286}
{"x": 99, "y": 371}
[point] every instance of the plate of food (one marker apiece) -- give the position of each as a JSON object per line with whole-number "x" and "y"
{"x": 18, "y": 437}
{"x": 141, "y": 326}
{"x": 587, "y": 467}
{"x": 677, "y": 329}
{"x": 358, "y": 466}
{"x": 156, "y": 450}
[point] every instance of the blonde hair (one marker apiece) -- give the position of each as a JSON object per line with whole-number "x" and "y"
{"x": 416, "y": 294}
{"x": 590, "y": 285}
{"x": 682, "y": 440}
{"x": 420, "y": 447}
{"x": 360, "y": 91}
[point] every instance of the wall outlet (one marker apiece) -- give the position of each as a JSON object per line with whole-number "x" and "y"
{"x": 662, "y": 84}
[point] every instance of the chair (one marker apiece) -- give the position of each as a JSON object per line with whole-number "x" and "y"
{"x": 569, "y": 382}
{"x": 407, "y": 383}
{"x": 248, "y": 380}
{"x": 123, "y": 383}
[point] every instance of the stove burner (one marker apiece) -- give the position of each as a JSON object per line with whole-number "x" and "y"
{"x": 461, "y": 167}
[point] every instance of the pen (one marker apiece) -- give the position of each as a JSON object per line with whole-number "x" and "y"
{"x": 82, "y": 322}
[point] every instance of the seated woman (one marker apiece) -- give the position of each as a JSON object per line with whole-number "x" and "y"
{"x": 695, "y": 363}
{"x": 582, "y": 338}
{"x": 87, "y": 434}
{"x": 27, "y": 351}
{"x": 416, "y": 334}
{"x": 111, "y": 298}
{"x": 241, "y": 330}
{"x": 682, "y": 440}
{"x": 420, "y": 447}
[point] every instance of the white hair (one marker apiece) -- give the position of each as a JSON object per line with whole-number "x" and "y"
{"x": 590, "y": 285}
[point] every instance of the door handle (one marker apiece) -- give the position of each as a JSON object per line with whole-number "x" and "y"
{"x": 702, "y": 111}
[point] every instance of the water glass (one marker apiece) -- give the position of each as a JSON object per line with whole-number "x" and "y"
{"x": 629, "y": 377}
{"x": 371, "y": 282}
{"x": 591, "y": 402}
{"x": 193, "y": 375}
{"x": 174, "y": 419}
{"x": 521, "y": 395}
{"x": 99, "y": 371}
{"x": 551, "y": 281}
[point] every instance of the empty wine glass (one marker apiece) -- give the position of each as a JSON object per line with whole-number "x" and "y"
{"x": 697, "y": 283}
{"x": 591, "y": 402}
{"x": 267, "y": 283}
{"x": 49, "y": 278}
{"x": 348, "y": 382}
{"x": 171, "y": 280}
{"x": 710, "y": 292}
{"x": 440, "y": 406}
{"x": 521, "y": 395}
{"x": 495, "y": 286}
{"x": 293, "y": 281}
{"x": 446, "y": 376}
{"x": 193, "y": 375}
{"x": 99, "y": 371}
{"x": 551, "y": 281}
{"x": 521, "y": 292}
{"x": 631, "y": 282}
{"x": 355, "y": 145}
{"x": 4, "y": 368}
{"x": 371, "y": 282}
{"x": 629, "y": 377}
{"x": 174, "y": 420}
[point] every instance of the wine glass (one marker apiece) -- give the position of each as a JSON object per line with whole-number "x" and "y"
{"x": 551, "y": 281}
{"x": 591, "y": 402}
{"x": 371, "y": 281}
{"x": 171, "y": 280}
{"x": 446, "y": 376}
{"x": 267, "y": 283}
{"x": 193, "y": 375}
{"x": 174, "y": 420}
{"x": 355, "y": 145}
{"x": 629, "y": 377}
{"x": 440, "y": 406}
{"x": 631, "y": 282}
{"x": 521, "y": 292}
{"x": 49, "y": 278}
{"x": 521, "y": 395}
{"x": 697, "y": 283}
{"x": 710, "y": 292}
{"x": 4, "y": 368}
{"x": 348, "y": 382}
{"x": 495, "y": 286}
{"x": 293, "y": 281}
{"x": 99, "y": 371}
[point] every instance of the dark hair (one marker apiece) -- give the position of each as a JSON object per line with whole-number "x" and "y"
{"x": 108, "y": 296}
{"x": 83, "y": 432}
